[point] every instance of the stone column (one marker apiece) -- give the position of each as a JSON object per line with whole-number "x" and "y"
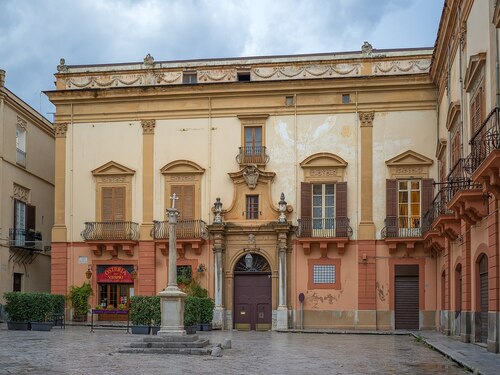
{"x": 282, "y": 313}
{"x": 219, "y": 311}
{"x": 172, "y": 298}
{"x": 366, "y": 230}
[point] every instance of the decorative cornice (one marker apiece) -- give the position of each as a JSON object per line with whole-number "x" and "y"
{"x": 60, "y": 129}
{"x": 366, "y": 118}
{"x": 148, "y": 126}
{"x": 21, "y": 123}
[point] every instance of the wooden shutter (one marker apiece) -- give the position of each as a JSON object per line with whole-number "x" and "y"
{"x": 30, "y": 217}
{"x": 427, "y": 195}
{"x": 341, "y": 209}
{"x": 113, "y": 204}
{"x": 476, "y": 110}
{"x": 305, "y": 209}
{"x": 185, "y": 204}
{"x": 391, "y": 213}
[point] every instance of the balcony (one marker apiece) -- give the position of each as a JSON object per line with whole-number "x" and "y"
{"x": 485, "y": 154}
{"x": 20, "y": 157}
{"x": 25, "y": 245}
{"x": 25, "y": 238}
{"x": 460, "y": 176}
{"x": 111, "y": 236}
{"x": 402, "y": 230}
{"x": 324, "y": 231}
{"x": 192, "y": 232}
{"x": 252, "y": 155}
{"x": 439, "y": 221}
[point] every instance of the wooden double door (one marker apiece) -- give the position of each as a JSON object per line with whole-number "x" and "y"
{"x": 252, "y": 301}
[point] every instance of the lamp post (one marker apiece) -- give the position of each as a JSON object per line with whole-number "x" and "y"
{"x": 172, "y": 298}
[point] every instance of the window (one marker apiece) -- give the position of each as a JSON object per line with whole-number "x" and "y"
{"x": 409, "y": 207}
{"x": 323, "y": 208}
{"x": 113, "y": 203}
{"x": 476, "y": 109}
{"x": 324, "y": 274}
{"x": 253, "y": 140}
{"x": 189, "y": 78}
{"x": 289, "y": 101}
{"x": 185, "y": 203}
{"x": 244, "y": 77}
{"x": 21, "y": 146}
{"x": 252, "y": 207}
{"x": 346, "y": 98}
{"x": 184, "y": 274}
{"x": 24, "y": 223}
{"x": 455, "y": 146}
{"x": 17, "y": 277}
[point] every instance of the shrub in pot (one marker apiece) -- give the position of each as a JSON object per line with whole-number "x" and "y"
{"x": 154, "y": 305}
{"x": 140, "y": 314}
{"x": 79, "y": 297}
{"x": 41, "y": 311}
{"x": 18, "y": 309}
{"x": 206, "y": 313}
{"x": 191, "y": 314}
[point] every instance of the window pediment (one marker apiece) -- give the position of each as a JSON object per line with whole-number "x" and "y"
{"x": 323, "y": 166}
{"x": 474, "y": 70}
{"x": 409, "y": 164}
{"x": 182, "y": 167}
{"x": 112, "y": 168}
{"x": 453, "y": 114}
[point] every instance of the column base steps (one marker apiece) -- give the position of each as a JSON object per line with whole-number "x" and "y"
{"x": 191, "y": 344}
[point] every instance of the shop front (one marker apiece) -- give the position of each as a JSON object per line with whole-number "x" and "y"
{"x": 115, "y": 285}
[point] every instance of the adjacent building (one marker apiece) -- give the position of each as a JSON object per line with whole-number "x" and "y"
{"x": 26, "y": 195}
{"x": 351, "y": 190}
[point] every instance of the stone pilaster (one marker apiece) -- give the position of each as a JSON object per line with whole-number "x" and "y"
{"x": 59, "y": 229}
{"x": 282, "y": 313}
{"x": 148, "y": 131}
{"x": 366, "y": 230}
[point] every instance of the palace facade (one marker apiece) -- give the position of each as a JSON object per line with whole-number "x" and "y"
{"x": 315, "y": 191}
{"x": 27, "y": 196}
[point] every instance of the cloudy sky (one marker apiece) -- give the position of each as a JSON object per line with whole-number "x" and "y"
{"x": 35, "y": 34}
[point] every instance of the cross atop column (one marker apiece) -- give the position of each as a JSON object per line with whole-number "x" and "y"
{"x": 173, "y": 198}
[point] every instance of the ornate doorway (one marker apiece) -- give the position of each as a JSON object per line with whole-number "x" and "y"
{"x": 252, "y": 293}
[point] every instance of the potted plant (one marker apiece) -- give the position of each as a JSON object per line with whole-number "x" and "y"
{"x": 155, "y": 314}
{"x": 206, "y": 313}
{"x": 140, "y": 315}
{"x": 79, "y": 297}
{"x": 41, "y": 311}
{"x": 191, "y": 314}
{"x": 17, "y": 308}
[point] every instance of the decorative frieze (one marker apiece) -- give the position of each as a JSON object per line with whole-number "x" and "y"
{"x": 21, "y": 193}
{"x": 323, "y": 172}
{"x": 21, "y": 123}
{"x": 366, "y": 118}
{"x": 113, "y": 179}
{"x": 60, "y": 129}
{"x": 148, "y": 126}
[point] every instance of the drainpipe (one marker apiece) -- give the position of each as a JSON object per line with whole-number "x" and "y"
{"x": 70, "y": 229}
{"x": 497, "y": 96}
{"x": 461, "y": 87}
{"x": 449, "y": 101}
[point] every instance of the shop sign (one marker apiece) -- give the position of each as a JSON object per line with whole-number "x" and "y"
{"x": 115, "y": 274}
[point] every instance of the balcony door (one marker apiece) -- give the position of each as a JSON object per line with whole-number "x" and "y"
{"x": 323, "y": 210}
{"x": 113, "y": 211}
{"x": 409, "y": 208}
{"x": 253, "y": 144}
{"x": 24, "y": 223}
{"x": 185, "y": 205}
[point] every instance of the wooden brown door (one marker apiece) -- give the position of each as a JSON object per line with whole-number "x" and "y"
{"x": 252, "y": 301}
{"x": 482, "y": 324}
{"x": 406, "y": 307}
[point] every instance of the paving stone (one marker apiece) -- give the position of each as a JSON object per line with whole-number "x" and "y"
{"x": 76, "y": 351}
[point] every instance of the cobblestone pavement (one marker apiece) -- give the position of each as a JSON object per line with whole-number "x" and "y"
{"x": 77, "y": 351}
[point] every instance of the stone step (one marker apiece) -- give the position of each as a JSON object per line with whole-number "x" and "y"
{"x": 192, "y": 351}
{"x": 173, "y": 338}
{"x": 202, "y": 343}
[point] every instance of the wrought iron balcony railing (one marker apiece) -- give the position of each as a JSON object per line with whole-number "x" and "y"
{"x": 184, "y": 229}
{"x": 402, "y": 227}
{"x": 25, "y": 238}
{"x": 252, "y": 155}
{"x": 485, "y": 140}
{"x": 460, "y": 177}
{"x": 110, "y": 231}
{"x": 324, "y": 228}
{"x": 439, "y": 206}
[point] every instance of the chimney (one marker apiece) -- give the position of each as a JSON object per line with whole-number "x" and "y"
{"x": 2, "y": 78}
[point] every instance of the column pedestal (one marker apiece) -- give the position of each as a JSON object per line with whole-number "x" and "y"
{"x": 218, "y": 321}
{"x": 172, "y": 312}
{"x": 282, "y": 317}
